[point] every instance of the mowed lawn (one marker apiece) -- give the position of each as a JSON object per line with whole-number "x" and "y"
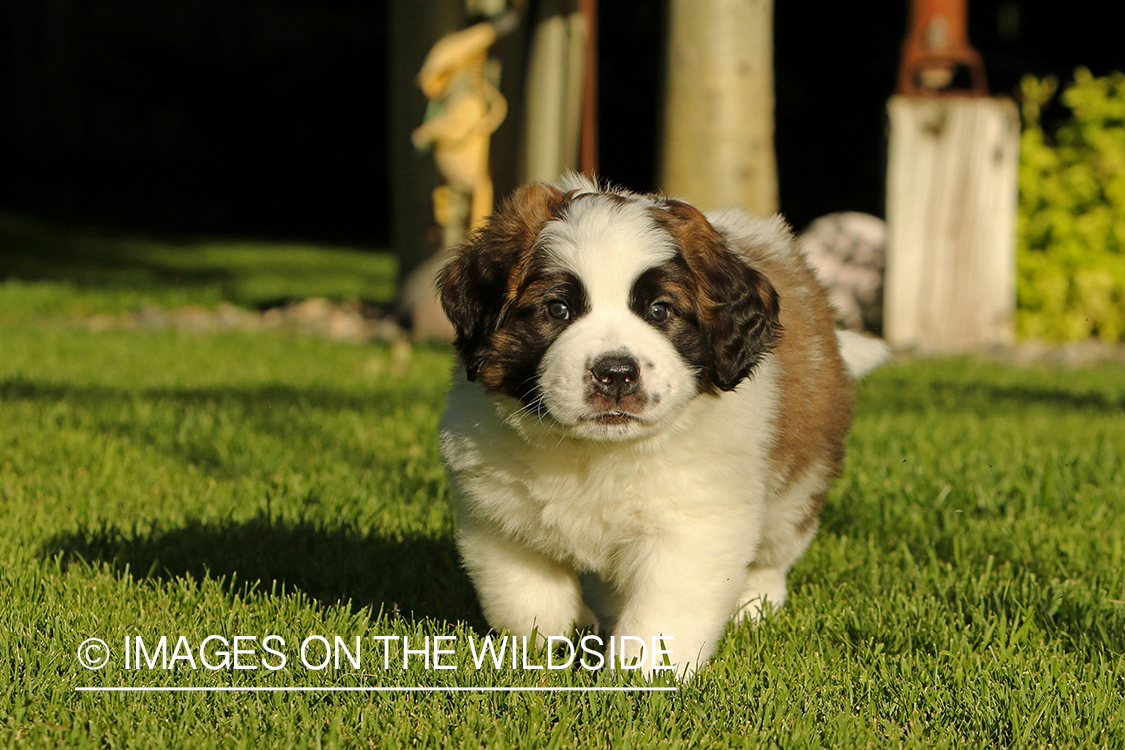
{"x": 967, "y": 587}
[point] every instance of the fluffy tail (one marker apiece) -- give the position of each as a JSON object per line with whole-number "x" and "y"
{"x": 861, "y": 354}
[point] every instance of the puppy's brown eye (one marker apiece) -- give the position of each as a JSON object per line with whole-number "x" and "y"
{"x": 558, "y": 310}
{"x": 658, "y": 312}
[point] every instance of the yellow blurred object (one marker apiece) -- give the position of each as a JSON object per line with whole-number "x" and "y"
{"x": 465, "y": 109}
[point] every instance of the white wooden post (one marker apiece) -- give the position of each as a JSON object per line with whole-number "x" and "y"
{"x": 951, "y": 213}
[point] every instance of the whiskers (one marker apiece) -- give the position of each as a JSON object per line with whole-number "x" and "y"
{"x": 534, "y": 405}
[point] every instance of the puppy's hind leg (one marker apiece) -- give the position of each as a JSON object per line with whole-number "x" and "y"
{"x": 783, "y": 542}
{"x": 765, "y": 590}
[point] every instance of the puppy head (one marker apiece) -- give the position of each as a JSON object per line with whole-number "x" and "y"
{"x": 602, "y": 312}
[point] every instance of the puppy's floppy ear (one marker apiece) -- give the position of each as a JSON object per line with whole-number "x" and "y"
{"x": 738, "y": 307}
{"x": 479, "y": 282}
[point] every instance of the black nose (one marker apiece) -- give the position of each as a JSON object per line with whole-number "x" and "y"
{"x": 616, "y": 375}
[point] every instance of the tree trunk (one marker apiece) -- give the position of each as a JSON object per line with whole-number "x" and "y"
{"x": 718, "y": 119}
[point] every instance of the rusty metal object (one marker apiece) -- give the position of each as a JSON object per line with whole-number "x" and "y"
{"x": 936, "y": 47}
{"x": 588, "y": 155}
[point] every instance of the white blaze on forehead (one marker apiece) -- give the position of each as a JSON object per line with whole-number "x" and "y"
{"x": 607, "y": 244}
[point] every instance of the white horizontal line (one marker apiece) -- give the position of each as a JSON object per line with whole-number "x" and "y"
{"x": 305, "y": 689}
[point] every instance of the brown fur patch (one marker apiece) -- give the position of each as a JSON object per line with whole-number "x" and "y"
{"x": 815, "y": 409}
{"x": 809, "y": 522}
{"x": 736, "y": 305}
{"x": 481, "y": 282}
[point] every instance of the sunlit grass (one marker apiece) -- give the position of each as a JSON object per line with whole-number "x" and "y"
{"x": 966, "y": 588}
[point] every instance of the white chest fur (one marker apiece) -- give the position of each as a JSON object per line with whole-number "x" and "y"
{"x": 579, "y": 502}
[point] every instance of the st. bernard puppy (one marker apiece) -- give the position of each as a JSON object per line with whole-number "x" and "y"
{"x": 650, "y": 405}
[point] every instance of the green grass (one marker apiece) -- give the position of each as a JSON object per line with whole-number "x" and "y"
{"x": 966, "y": 588}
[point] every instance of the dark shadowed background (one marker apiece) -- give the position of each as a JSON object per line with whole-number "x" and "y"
{"x": 268, "y": 117}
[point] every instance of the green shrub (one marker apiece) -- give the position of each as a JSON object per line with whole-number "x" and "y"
{"x": 1071, "y": 277}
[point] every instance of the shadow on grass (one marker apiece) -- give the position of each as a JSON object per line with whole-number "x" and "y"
{"x": 251, "y": 400}
{"x": 262, "y": 412}
{"x": 414, "y": 577}
{"x": 35, "y": 250}
{"x": 170, "y": 270}
{"x": 982, "y": 398}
